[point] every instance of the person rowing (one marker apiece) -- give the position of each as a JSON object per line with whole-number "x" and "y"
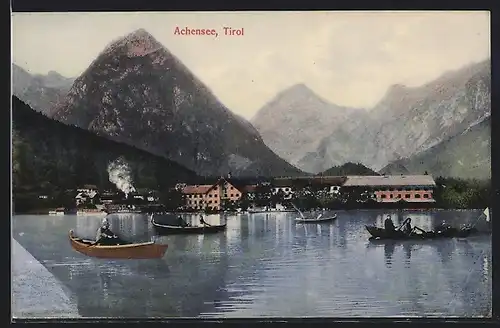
{"x": 409, "y": 230}
{"x": 105, "y": 236}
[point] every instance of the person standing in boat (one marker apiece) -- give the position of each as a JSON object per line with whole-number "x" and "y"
{"x": 388, "y": 224}
{"x": 105, "y": 235}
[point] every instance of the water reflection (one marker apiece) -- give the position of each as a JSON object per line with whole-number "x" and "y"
{"x": 244, "y": 230}
{"x": 116, "y": 285}
{"x": 407, "y": 251}
{"x": 389, "y": 248}
{"x": 445, "y": 249}
{"x": 486, "y": 266}
{"x": 266, "y": 265}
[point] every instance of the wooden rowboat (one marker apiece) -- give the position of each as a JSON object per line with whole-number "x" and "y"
{"x": 382, "y": 234}
{"x": 319, "y": 219}
{"x": 170, "y": 229}
{"x": 148, "y": 250}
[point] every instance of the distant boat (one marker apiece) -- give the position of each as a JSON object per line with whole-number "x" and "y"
{"x": 318, "y": 219}
{"x": 266, "y": 209}
{"x": 165, "y": 229}
{"x": 57, "y": 211}
{"x": 444, "y": 232}
{"x": 91, "y": 211}
{"x": 124, "y": 210}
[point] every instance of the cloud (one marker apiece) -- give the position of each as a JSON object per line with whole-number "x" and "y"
{"x": 349, "y": 58}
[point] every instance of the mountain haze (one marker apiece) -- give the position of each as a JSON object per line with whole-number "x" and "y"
{"x": 41, "y": 92}
{"x": 295, "y": 121}
{"x": 139, "y": 93}
{"x": 467, "y": 154}
{"x": 408, "y": 121}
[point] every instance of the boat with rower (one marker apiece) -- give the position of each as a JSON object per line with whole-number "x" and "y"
{"x": 318, "y": 219}
{"x": 125, "y": 250}
{"x": 420, "y": 234}
{"x": 204, "y": 228}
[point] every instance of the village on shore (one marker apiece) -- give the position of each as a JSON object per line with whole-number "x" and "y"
{"x": 278, "y": 194}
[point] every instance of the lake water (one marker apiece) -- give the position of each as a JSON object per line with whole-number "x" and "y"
{"x": 267, "y": 265}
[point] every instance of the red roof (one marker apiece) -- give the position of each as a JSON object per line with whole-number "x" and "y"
{"x": 196, "y": 189}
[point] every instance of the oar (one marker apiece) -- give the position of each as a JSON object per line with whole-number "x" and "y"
{"x": 422, "y": 230}
{"x": 301, "y": 215}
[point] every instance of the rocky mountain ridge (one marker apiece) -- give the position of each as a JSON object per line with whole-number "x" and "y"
{"x": 136, "y": 91}
{"x": 293, "y": 123}
{"x": 466, "y": 155}
{"x": 41, "y": 92}
{"x": 405, "y": 122}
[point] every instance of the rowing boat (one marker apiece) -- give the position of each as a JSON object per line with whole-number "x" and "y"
{"x": 444, "y": 232}
{"x": 148, "y": 250}
{"x": 171, "y": 229}
{"x": 383, "y": 234}
{"x": 316, "y": 220}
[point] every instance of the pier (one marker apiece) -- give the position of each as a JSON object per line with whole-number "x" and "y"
{"x": 36, "y": 293}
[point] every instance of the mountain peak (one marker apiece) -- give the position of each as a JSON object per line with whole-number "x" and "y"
{"x": 139, "y": 34}
{"x": 54, "y": 74}
{"x": 296, "y": 91}
{"x": 137, "y": 43}
{"x": 299, "y": 87}
{"x": 137, "y": 92}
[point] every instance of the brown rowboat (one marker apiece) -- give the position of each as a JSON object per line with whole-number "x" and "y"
{"x": 148, "y": 250}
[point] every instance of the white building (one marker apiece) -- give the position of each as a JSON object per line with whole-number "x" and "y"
{"x": 287, "y": 191}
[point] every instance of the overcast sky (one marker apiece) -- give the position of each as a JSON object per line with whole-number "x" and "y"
{"x": 348, "y": 58}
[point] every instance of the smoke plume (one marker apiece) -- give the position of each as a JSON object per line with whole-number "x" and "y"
{"x": 120, "y": 174}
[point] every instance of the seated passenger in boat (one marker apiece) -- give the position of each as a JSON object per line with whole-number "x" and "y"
{"x": 389, "y": 225}
{"x": 105, "y": 236}
{"x": 442, "y": 227}
{"x": 408, "y": 229}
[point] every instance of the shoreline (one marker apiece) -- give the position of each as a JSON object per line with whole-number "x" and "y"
{"x": 436, "y": 209}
